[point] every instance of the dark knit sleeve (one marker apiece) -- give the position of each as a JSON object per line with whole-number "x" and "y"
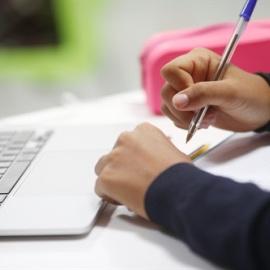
{"x": 266, "y": 127}
{"x": 225, "y": 221}
{"x": 266, "y": 76}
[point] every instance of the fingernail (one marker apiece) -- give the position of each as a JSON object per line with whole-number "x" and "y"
{"x": 180, "y": 101}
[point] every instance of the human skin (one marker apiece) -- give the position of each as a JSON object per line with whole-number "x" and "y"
{"x": 239, "y": 102}
{"x": 136, "y": 159}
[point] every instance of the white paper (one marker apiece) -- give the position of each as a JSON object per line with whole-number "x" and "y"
{"x": 244, "y": 158}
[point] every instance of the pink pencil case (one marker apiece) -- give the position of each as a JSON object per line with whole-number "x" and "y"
{"x": 252, "y": 53}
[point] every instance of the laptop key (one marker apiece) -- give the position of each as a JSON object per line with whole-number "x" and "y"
{"x": 3, "y": 170}
{"x": 15, "y": 146}
{"x": 4, "y": 164}
{"x": 26, "y": 157}
{"x": 11, "y": 177}
{"x": 6, "y": 134}
{"x": 22, "y": 137}
{"x": 4, "y": 158}
{"x": 12, "y": 152}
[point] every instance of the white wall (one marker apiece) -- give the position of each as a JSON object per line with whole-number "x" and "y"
{"x": 124, "y": 26}
{"x": 129, "y": 23}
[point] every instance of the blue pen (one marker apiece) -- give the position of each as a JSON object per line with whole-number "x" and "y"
{"x": 244, "y": 18}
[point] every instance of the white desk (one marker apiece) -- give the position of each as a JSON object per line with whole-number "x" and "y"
{"x": 120, "y": 239}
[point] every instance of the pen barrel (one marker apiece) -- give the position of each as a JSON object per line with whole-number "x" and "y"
{"x": 225, "y": 60}
{"x": 197, "y": 119}
{"x": 230, "y": 49}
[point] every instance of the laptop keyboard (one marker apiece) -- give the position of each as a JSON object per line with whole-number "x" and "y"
{"x": 17, "y": 150}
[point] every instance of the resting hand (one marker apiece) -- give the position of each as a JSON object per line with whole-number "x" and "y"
{"x": 239, "y": 102}
{"x": 137, "y": 158}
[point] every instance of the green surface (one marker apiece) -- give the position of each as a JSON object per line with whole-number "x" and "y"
{"x": 76, "y": 51}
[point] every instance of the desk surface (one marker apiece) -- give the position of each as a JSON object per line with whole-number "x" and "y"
{"x": 120, "y": 239}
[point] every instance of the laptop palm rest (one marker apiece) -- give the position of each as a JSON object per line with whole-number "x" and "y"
{"x": 68, "y": 173}
{"x": 56, "y": 196}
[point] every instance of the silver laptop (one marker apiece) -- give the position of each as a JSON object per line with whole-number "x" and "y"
{"x": 47, "y": 178}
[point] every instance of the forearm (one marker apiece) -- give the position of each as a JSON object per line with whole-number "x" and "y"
{"x": 217, "y": 217}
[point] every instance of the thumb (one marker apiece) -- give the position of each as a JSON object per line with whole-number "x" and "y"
{"x": 199, "y": 95}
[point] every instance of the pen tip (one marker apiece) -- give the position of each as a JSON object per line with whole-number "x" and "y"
{"x": 189, "y": 136}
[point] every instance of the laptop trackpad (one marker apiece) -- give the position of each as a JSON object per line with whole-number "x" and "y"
{"x": 61, "y": 174}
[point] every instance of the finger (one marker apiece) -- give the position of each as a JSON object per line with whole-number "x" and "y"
{"x": 167, "y": 108}
{"x": 167, "y": 94}
{"x": 177, "y": 77}
{"x": 98, "y": 191}
{"x": 197, "y": 65}
{"x": 181, "y": 120}
{"x": 123, "y": 138}
{"x": 101, "y": 164}
{"x": 201, "y": 94}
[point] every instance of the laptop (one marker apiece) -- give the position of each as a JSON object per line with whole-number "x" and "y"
{"x": 47, "y": 178}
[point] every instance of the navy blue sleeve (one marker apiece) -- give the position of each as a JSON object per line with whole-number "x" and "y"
{"x": 222, "y": 220}
{"x": 266, "y": 76}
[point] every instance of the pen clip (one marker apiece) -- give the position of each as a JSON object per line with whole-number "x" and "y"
{"x": 248, "y": 9}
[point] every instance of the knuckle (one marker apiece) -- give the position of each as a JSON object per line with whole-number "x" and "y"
{"x": 167, "y": 92}
{"x": 124, "y": 137}
{"x": 114, "y": 156}
{"x": 198, "y": 95}
{"x": 203, "y": 52}
{"x": 113, "y": 159}
{"x": 104, "y": 178}
{"x": 143, "y": 125}
{"x": 200, "y": 50}
{"x": 164, "y": 109}
{"x": 143, "y": 128}
{"x": 163, "y": 91}
{"x": 164, "y": 70}
{"x": 168, "y": 70}
{"x": 203, "y": 93}
{"x": 194, "y": 93}
{"x": 200, "y": 90}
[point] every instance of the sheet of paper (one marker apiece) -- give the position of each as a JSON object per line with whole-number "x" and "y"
{"x": 211, "y": 136}
{"x": 244, "y": 157}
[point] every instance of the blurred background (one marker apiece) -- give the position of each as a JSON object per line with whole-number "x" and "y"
{"x": 55, "y": 52}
